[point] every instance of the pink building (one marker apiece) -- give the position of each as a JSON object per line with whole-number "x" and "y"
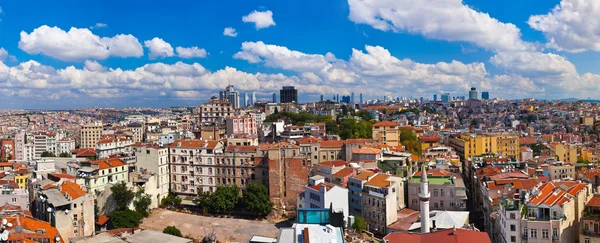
{"x": 340, "y": 178}
{"x": 241, "y": 125}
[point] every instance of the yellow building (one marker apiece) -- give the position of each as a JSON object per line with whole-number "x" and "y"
{"x": 564, "y": 152}
{"x": 99, "y": 173}
{"x": 22, "y": 178}
{"x": 386, "y": 132}
{"x": 468, "y": 146}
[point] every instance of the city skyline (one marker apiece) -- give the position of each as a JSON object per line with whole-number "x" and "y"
{"x": 81, "y": 54}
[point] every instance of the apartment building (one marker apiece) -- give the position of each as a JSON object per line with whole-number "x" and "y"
{"x": 64, "y": 145}
{"x": 154, "y": 159}
{"x": 99, "y": 173}
{"x": 590, "y": 221}
{"x": 137, "y": 130}
{"x": 554, "y": 211}
{"x": 241, "y": 165}
{"x": 20, "y": 140}
{"x": 355, "y": 191}
{"x": 90, "y": 135}
{"x": 330, "y": 150}
{"x": 448, "y": 191}
{"x": 319, "y": 194}
{"x": 12, "y": 194}
{"x": 193, "y": 166}
{"x": 113, "y": 146}
{"x": 215, "y": 111}
{"x": 559, "y": 171}
{"x": 382, "y": 198}
{"x": 505, "y": 144}
{"x": 44, "y": 142}
{"x": 328, "y": 168}
{"x": 564, "y": 151}
{"x": 386, "y": 132}
{"x": 237, "y": 125}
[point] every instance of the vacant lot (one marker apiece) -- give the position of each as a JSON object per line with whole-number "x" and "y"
{"x": 236, "y": 230}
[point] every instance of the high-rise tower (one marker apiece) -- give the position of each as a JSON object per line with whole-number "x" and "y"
{"x": 424, "y": 198}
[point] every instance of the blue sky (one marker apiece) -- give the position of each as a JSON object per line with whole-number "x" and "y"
{"x": 67, "y": 54}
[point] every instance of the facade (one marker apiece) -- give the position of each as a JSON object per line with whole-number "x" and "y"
{"x": 138, "y": 131}
{"x": 590, "y": 221}
{"x": 559, "y": 171}
{"x": 241, "y": 125}
{"x": 20, "y": 138}
{"x": 193, "y": 166}
{"x": 113, "y": 146}
{"x": 355, "y": 192}
{"x": 382, "y": 198}
{"x": 447, "y": 190}
{"x": 44, "y": 142}
{"x": 215, "y": 111}
{"x": 90, "y": 135}
{"x": 386, "y": 132}
{"x": 319, "y": 194}
{"x": 505, "y": 144}
{"x": 288, "y": 94}
{"x": 64, "y": 146}
{"x": 485, "y": 95}
{"x": 13, "y": 195}
{"x": 473, "y": 93}
{"x": 154, "y": 159}
{"x": 98, "y": 174}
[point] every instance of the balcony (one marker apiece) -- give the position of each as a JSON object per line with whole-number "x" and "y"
{"x": 524, "y": 236}
{"x": 593, "y": 233}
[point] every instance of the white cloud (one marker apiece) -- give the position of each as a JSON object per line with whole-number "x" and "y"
{"x": 159, "y": 48}
{"x": 94, "y": 66}
{"x": 449, "y": 20}
{"x": 78, "y": 44}
{"x": 260, "y": 19}
{"x": 229, "y": 31}
{"x": 534, "y": 64}
{"x": 573, "y": 25}
{"x": 5, "y": 56}
{"x": 98, "y": 25}
{"x": 191, "y": 52}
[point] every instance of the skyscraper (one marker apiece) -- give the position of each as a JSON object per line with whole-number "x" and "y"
{"x": 321, "y": 98}
{"x": 288, "y": 94}
{"x": 253, "y": 98}
{"x": 337, "y": 98}
{"x": 245, "y": 99}
{"x": 435, "y": 97}
{"x": 361, "y": 100}
{"x": 274, "y": 98}
{"x": 446, "y": 97}
{"x": 352, "y": 98}
{"x": 234, "y": 98}
{"x": 473, "y": 93}
{"x": 485, "y": 95}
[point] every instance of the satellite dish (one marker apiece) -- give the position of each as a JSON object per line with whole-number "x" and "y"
{"x": 4, "y": 221}
{"x": 9, "y": 225}
{"x": 49, "y": 210}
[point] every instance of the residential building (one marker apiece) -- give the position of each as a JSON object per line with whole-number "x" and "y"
{"x": 447, "y": 190}
{"x": 138, "y": 131}
{"x": 12, "y": 194}
{"x": 319, "y": 194}
{"x": 237, "y": 125}
{"x": 154, "y": 159}
{"x": 504, "y": 144}
{"x": 215, "y": 111}
{"x": 314, "y": 225}
{"x": 44, "y": 142}
{"x": 24, "y": 228}
{"x": 450, "y": 235}
{"x": 366, "y": 154}
{"x": 90, "y": 135}
{"x": 113, "y": 146}
{"x": 590, "y": 221}
{"x": 559, "y": 171}
{"x": 386, "y": 132}
{"x": 20, "y": 138}
{"x": 355, "y": 191}
{"x": 98, "y": 174}
{"x": 193, "y": 166}
{"x": 382, "y": 198}
{"x": 328, "y": 168}
{"x": 564, "y": 152}
{"x": 64, "y": 145}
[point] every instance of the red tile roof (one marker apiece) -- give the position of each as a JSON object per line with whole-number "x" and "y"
{"x": 63, "y": 176}
{"x": 366, "y": 150}
{"x": 344, "y": 172}
{"x": 334, "y": 163}
{"x": 102, "y": 219}
{"x": 73, "y": 190}
{"x": 379, "y": 180}
{"x": 461, "y": 236}
{"x": 594, "y": 201}
{"x": 429, "y": 139}
{"x": 406, "y": 217}
{"x": 385, "y": 124}
{"x": 332, "y": 144}
{"x": 84, "y": 152}
{"x": 31, "y": 225}
{"x": 318, "y": 186}
{"x": 108, "y": 163}
{"x": 194, "y": 143}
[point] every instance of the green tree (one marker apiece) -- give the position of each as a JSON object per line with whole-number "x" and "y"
{"x": 48, "y": 154}
{"x": 365, "y": 115}
{"x": 142, "y": 203}
{"x": 96, "y": 209}
{"x": 172, "y": 230}
{"x": 126, "y": 219}
{"x": 359, "y": 224}
{"x": 9, "y": 157}
{"x": 203, "y": 200}
{"x": 224, "y": 199}
{"x": 171, "y": 200}
{"x": 122, "y": 195}
{"x": 255, "y": 198}
{"x": 413, "y": 147}
{"x": 407, "y": 134}
{"x": 64, "y": 155}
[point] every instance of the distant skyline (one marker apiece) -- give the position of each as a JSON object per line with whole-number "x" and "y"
{"x": 76, "y": 54}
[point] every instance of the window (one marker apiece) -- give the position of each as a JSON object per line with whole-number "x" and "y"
{"x": 545, "y": 233}
{"x": 513, "y": 227}
{"x": 587, "y": 240}
{"x": 442, "y": 192}
{"x": 513, "y": 239}
{"x": 435, "y": 205}
{"x": 441, "y": 204}
{"x": 554, "y": 233}
{"x": 435, "y": 193}
{"x": 533, "y": 233}
{"x": 415, "y": 201}
{"x": 512, "y": 215}
{"x": 14, "y": 199}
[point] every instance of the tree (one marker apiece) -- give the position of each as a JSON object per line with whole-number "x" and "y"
{"x": 122, "y": 195}
{"x": 413, "y": 147}
{"x": 48, "y": 154}
{"x": 407, "y": 134}
{"x": 203, "y": 200}
{"x": 64, "y": 155}
{"x": 126, "y": 219}
{"x": 224, "y": 199}
{"x": 142, "y": 203}
{"x": 96, "y": 209}
{"x": 171, "y": 200}
{"x": 255, "y": 198}
{"x": 172, "y": 230}
{"x": 359, "y": 224}
{"x": 365, "y": 115}
{"x": 9, "y": 157}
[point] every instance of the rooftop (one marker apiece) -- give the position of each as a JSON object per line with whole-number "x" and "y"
{"x": 450, "y": 235}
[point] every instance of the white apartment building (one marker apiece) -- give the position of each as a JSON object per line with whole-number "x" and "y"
{"x": 64, "y": 145}
{"x": 319, "y": 194}
{"x": 90, "y": 134}
{"x": 111, "y": 146}
{"x": 20, "y": 146}
{"x": 138, "y": 131}
{"x": 154, "y": 159}
{"x": 193, "y": 165}
{"x": 215, "y": 111}
{"x": 44, "y": 142}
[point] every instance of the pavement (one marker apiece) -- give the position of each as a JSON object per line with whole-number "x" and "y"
{"x": 226, "y": 229}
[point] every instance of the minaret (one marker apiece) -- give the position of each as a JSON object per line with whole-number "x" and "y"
{"x": 424, "y": 198}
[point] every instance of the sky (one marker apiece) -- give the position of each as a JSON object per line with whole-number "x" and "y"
{"x": 76, "y": 54}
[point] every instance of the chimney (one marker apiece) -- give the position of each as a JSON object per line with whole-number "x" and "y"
{"x": 433, "y": 225}
{"x": 454, "y": 230}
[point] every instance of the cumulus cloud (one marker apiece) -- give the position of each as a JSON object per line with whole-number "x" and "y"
{"x": 98, "y": 25}
{"x": 573, "y": 25}
{"x": 5, "y": 56}
{"x": 260, "y": 19}
{"x": 229, "y": 31}
{"x": 191, "y": 52}
{"x": 78, "y": 44}
{"x": 159, "y": 48}
{"x": 449, "y": 20}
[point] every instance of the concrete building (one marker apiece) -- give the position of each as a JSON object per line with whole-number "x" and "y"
{"x": 505, "y": 144}
{"x": 64, "y": 145}
{"x": 13, "y": 195}
{"x": 193, "y": 166}
{"x": 448, "y": 191}
{"x": 564, "y": 152}
{"x": 473, "y": 94}
{"x": 99, "y": 173}
{"x": 215, "y": 111}
{"x": 154, "y": 159}
{"x": 288, "y": 94}
{"x": 559, "y": 171}
{"x": 319, "y": 194}
{"x": 44, "y": 142}
{"x": 355, "y": 191}
{"x": 241, "y": 125}
{"x": 20, "y": 138}
{"x": 590, "y": 221}
{"x": 90, "y": 134}
{"x": 113, "y": 146}
{"x": 138, "y": 131}
{"x": 386, "y": 132}
{"x": 382, "y": 198}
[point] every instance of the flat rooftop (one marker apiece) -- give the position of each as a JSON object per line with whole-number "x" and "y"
{"x": 433, "y": 180}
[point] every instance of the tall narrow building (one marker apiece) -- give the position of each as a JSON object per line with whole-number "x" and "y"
{"x": 424, "y": 198}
